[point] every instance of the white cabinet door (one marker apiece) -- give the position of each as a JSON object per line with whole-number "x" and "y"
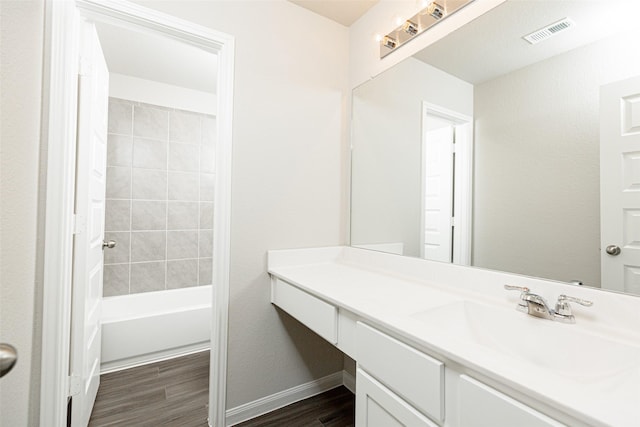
{"x": 377, "y": 406}
{"x": 481, "y": 405}
{"x": 620, "y": 184}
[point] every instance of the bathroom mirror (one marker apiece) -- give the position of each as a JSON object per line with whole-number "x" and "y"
{"x": 484, "y": 148}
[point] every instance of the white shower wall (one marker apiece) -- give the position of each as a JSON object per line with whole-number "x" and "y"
{"x": 159, "y": 198}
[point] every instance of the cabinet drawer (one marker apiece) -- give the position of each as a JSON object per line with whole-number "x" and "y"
{"x": 317, "y": 315}
{"x": 377, "y": 406}
{"x": 413, "y": 375}
{"x": 482, "y": 405}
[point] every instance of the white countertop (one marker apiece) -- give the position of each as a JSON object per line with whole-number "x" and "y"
{"x": 392, "y": 292}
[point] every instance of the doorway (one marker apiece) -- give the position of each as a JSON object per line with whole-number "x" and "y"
{"x": 447, "y": 150}
{"x": 64, "y": 44}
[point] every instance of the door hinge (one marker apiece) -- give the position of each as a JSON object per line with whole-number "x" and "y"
{"x": 453, "y": 221}
{"x": 75, "y": 385}
{"x": 79, "y": 224}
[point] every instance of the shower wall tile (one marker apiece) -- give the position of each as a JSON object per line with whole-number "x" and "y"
{"x": 118, "y": 183}
{"x": 148, "y": 246}
{"x": 183, "y": 186}
{"x": 184, "y": 157}
{"x": 149, "y": 215}
{"x": 182, "y": 216}
{"x": 205, "y": 276}
{"x": 120, "y": 116}
{"x": 120, "y": 253}
{"x": 205, "y": 243}
{"x": 206, "y": 215}
{"x": 184, "y": 127}
{"x": 206, "y": 187}
{"x": 207, "y": 160}
{"x": 159, "y": 191}
{"x": 148, "y": 277}
{"x": 182, "y": 274}
{"x": 119, "y": 150}
{"x": 151, "y": 122}
{"x": 149, "y": 154}
{"x": 182, "y": 244}
{"x": 149, "y": 184}
{"x": 116, "y": 280}
{"x": 117, "y": 215}
{"x": 209, "y": 130}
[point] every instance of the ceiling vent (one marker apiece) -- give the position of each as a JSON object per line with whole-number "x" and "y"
{"x": 549, "y": 30}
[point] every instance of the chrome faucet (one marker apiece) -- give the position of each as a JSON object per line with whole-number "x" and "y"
{"x": 537, "y": 306}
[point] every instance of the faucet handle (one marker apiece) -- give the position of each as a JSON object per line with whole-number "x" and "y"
{"x": 524, "y": 291}
{"x": 563, "y": 309}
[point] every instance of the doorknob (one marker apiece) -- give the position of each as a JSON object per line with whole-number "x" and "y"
{"x": 8, "y": 358}
{"x": 110, "y": 244}
{"x": 613, "y": 250}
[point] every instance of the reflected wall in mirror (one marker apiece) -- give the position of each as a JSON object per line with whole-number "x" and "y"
{"x": 556, "y": 129}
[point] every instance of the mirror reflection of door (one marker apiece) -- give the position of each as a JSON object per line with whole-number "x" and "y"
{"x": 438, "y": 188}
{"x": 445, "y": 233}
{"x": 620, "y": 185}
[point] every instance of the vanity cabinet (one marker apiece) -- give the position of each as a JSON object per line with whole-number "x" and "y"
{"x": 377, "y": 406}
{"x": 483, "y": 405}
{"x": 397, "y": 384}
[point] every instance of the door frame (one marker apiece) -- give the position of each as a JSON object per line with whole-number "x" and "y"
{"x": 59, "y": 123}
{"x": 463, "y": 179}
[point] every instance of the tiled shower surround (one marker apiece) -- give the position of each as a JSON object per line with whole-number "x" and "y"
{"x": 159, "y": 198}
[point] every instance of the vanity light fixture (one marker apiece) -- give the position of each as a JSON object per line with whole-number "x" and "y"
{"x": 434, "y": 12}
{"x": 389, "y": 42}
{"x": 410, "y": 28}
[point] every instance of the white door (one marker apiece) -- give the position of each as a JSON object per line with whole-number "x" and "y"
{"x": 620, "y": 185}
{"x": 438, "y": 190}
{"x": 93, "y": 97}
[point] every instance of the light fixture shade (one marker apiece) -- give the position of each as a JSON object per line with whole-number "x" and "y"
{"x": 410, "y": 28}
{"x": 389, "y": 42}
{"x": 436, "y": 10}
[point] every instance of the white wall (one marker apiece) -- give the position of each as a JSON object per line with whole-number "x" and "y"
{"x": 537, "y": 177}
{"x": 21, "y": 33}
{"x": 288, "y": 177}
{"x": 157, "y": 93}
{"x": 386, "y": 181}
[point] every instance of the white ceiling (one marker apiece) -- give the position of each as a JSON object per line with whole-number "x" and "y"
{"x": 492, "y": 45}
{"x": 157, "y": 58}
{"x": 344, "y": 12}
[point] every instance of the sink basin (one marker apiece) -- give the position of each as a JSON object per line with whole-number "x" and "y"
{"x": 562, "y": 348}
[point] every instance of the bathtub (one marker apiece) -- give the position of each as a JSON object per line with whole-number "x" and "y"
{"x": 152, "y": 326}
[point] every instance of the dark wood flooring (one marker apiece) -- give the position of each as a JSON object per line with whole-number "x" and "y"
{"x": 175, "y": 393}
{"x": 333, "y": 408}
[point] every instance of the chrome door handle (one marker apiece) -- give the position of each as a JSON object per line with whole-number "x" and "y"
{"x": 110, "y": 244}
{"x": 613, "y": 250}
{"x": 8, "y": 358}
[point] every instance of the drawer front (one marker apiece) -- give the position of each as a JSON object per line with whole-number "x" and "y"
{"x": 317, "y": 315}
{"x": 377, "y": 406}
{"x": 413, "y": 375}
{"x": 482, "y": 405}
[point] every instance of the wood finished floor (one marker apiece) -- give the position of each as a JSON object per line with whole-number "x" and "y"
{"x": 175, "y": 393}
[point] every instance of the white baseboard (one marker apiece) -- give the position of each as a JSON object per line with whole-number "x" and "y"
{"x": 349, "y": 381}
{"x": 281, "y": 399}
{"x": 158, "y": 356}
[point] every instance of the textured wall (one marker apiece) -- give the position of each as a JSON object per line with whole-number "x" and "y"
{"x": 21, "y": 35}
{"x": 159, "y": 207}
{"x": 288, "y": 177}
{"x": 537, "y": 176}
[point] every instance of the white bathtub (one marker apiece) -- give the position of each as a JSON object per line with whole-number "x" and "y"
{"x": 152, "y": 326}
